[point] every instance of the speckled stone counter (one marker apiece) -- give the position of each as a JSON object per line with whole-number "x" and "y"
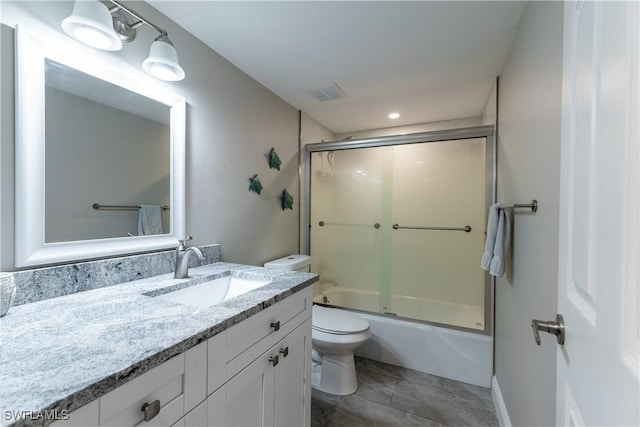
{"x": 50, "y": 282}
{"x": 62, "y": 353}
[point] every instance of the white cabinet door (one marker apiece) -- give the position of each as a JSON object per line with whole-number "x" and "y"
{"x": 291, "y": 387}
{"x": 598, "y": 368}
{"x": 198, "y": 417}
{"x": 246, "y": 400}
{"x": 274, "y": 390}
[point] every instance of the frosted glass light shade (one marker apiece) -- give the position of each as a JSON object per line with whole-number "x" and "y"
{"x": 91, "y": 23}
{"x": 162, "y": 62}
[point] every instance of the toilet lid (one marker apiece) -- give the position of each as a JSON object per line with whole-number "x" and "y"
{"x": 336, "y": 321}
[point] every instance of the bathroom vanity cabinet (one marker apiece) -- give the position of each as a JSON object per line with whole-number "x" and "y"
{"x": 272, "y": 390}
{"x": 255, "y": 373}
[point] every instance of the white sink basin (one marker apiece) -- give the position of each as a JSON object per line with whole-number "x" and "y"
{"x": 213, "y": 292}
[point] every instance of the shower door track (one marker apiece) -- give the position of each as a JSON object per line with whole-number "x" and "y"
{"x": 487, "y": 132}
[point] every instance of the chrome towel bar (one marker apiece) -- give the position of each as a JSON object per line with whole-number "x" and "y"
{"x": 322, "y": 224}
{"x": 123, "y": 207}
{"x": 533, "y": 206}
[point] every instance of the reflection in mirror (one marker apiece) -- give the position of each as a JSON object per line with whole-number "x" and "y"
{"x": 103, "y": 144}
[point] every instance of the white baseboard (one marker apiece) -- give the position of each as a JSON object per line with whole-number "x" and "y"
{"x": 501, "y": 409}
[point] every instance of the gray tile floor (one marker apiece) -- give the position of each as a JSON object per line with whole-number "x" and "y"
{"x": 392, "y": 396}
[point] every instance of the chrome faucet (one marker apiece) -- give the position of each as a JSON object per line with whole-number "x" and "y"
{"x": 182, "y": 258}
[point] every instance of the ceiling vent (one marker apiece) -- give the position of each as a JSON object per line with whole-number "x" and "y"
{"x": 328, "y": 93}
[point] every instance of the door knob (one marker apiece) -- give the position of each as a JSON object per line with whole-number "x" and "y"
{"x": 556, "y": 328}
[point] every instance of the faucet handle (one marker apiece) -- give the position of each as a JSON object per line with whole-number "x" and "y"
{"x": 181, "y": 243}
{"x": 186, "y": 239}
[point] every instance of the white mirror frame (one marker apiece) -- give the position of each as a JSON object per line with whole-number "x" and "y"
{"x": 30, "y": 246}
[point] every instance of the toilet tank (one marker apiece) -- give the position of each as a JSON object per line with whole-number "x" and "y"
{"x": 291, "y": 263}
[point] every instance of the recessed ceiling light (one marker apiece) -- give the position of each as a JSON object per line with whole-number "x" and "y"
{"x": 394, "y": 115}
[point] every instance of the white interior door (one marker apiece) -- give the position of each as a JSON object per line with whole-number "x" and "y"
{"x": 598, "y": 367}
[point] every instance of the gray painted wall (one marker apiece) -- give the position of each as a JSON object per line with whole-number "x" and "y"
{"x": 529, "y": 168}
{"x": 232, "y": 122}
{"x": 7, "y": 152}
{"x": 490, "y": 111}
{"x": 311, "y": 131}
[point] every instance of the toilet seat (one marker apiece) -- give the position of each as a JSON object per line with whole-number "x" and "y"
{"x": 337, "y": 322}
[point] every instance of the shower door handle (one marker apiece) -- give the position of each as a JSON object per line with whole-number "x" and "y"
{"x": 375, "y": 225}
{"x": 466, "y": 228}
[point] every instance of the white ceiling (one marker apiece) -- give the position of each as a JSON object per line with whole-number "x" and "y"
{"x": 427, "y": 60}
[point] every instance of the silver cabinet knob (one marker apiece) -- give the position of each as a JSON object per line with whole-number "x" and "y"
{"x": 555, "y": 328}
{"x": 151, "y": 410}
{"x": 275, "y": 325}
{"x": 284, "y": 351}
{"x": 274, "y": 360}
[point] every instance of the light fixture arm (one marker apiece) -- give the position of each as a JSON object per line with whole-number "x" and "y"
{"x": 141, "y": 20}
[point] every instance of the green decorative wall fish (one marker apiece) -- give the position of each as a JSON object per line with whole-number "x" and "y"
{"x": 254, "y": 184}
{"x": 274, "y": 160}
{"x": 287, "y": 200}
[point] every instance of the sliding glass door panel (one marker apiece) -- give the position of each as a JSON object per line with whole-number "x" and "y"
{"x": 345, "y": 207}
{"x": 439, "y": 190}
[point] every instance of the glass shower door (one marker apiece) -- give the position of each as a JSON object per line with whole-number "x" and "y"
{"x": 387, "y": 229}
{"x": 344, "y": 238}
{"x": 439, "y": 189}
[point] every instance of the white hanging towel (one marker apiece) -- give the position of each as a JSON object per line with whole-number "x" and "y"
{"x": 149, "y": 220}
{"x": 490, "y": 242}
{"x": 501, "y": 247}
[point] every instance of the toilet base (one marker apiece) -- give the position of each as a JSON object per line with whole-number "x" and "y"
{"x": 335, "y": 374}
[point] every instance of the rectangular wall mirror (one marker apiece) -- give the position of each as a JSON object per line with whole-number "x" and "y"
{"x": 94, "y": 144}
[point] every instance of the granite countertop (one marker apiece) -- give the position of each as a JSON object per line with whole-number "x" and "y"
{"x": 62, "y": 353}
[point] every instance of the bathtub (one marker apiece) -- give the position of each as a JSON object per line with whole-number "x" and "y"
{"x": 437, "y": 350}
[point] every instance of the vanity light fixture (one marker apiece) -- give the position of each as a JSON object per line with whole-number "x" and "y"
{"x": 163, "y": 60}
{"x": 91, "y": 23}
{"x": 95, "y": 25}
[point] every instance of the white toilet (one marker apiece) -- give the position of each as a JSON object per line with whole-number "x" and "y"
{"x": 335, "y": 335}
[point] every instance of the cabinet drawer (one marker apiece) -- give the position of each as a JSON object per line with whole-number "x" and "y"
{"x": 123, "y": 406}
{"x": 268, "y": 322}
{"x": 254, "y": 336}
